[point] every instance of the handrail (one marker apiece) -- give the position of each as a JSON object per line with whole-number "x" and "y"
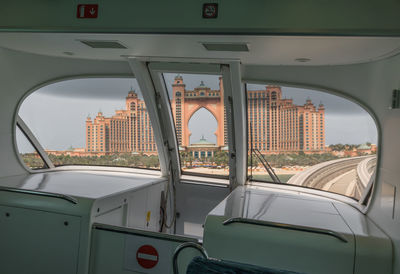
{"x": 143, "y": 233}
{"x": 183, "y": 246}
{"x": 40, "y": 193}
{"x": 286, "y": 226}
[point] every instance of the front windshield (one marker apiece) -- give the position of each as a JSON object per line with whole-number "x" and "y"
{"x": 310, "y": 139}
{"x": 199, "y": 111}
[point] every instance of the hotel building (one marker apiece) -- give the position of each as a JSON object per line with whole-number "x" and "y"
{"x": 275, "y": 125}
{"x": 129, "y": 130}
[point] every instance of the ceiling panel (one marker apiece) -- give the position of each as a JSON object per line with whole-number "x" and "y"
{"x": 263, "y": 50}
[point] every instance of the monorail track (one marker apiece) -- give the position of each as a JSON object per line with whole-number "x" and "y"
{"x": 347, "y": 176}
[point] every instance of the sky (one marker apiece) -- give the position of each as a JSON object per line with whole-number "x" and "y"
{"x": 56, "y": 113}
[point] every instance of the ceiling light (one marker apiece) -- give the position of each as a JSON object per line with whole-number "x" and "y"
{"x": 225, "y": 46}
{"x": 302, "y": 60}
{"x": 103, "y": 44}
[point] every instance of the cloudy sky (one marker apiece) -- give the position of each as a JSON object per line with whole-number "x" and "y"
{"x": 56, "y": 113}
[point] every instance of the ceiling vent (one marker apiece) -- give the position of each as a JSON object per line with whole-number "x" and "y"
{"x": 226, "y": 46}
{"x": 98, "y": 44}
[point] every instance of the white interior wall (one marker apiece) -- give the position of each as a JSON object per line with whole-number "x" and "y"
{"x": 22, "y": 72}
{"x": 194, "y": 203}
{"x": 384, "y": 210}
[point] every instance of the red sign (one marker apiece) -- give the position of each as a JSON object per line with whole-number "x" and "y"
{"x": 210, "y": 10}
{"x": 87, "y": 11}
{"x": 147, "y": 256}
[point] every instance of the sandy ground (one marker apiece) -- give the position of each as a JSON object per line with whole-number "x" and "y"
{"x": 256, "y": 171}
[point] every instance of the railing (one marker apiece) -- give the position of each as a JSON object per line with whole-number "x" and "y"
{"x": 365, "y": 170}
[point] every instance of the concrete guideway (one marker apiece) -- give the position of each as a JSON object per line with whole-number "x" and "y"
{"x": 348, "y": 176}
{"x": 344, "y": 183}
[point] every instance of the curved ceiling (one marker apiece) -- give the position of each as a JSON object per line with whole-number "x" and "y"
{"x": 263, "y": 50}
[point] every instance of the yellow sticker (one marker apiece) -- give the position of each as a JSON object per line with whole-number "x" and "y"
{"x": 148, "y": 216}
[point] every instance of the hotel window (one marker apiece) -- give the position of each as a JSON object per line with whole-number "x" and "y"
{"x": 69, "y": 103}
{"x": 297, "y": 146}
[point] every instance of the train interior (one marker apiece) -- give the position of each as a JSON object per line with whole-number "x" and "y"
{"x": 168, "y": 193}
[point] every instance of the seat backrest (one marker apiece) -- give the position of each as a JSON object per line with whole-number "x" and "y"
{"x": 211, "y": 266}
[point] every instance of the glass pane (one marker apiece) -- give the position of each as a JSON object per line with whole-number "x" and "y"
{"x": 27, "y": 152}
{"x": 92, "y": 122}
{"x": 198, "y": 108}
{"x": 309, "y": 138}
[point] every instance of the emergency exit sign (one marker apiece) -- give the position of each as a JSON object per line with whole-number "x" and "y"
{"x": 87, "y": 11}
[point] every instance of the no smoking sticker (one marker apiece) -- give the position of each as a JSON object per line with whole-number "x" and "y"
{"x": 210, "y": 10}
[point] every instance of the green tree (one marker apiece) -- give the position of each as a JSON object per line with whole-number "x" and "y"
{"x": 221, "y": 158}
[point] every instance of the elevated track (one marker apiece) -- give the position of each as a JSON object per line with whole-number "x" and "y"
{"x": 348, "y": 176}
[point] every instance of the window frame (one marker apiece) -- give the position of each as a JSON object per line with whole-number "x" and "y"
{"x": 30, "y": 137}
{"x": 210, "y": 68}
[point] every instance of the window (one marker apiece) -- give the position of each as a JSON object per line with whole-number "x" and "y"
{"x": 320, "y": 145}
{"x": 90, "y": 122}
{"x": 200, "y": 123}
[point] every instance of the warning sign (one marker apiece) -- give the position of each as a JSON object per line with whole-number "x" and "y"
{"x": 147, "y": 256}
